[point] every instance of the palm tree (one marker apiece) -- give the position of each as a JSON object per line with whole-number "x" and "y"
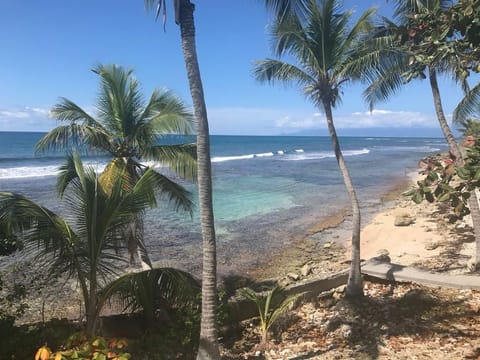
{"x": 80, "y": 245}
{"x": 470, "y": 127}
{"x": 208, "y": 345}
{"x": 387, "y": 80}
{"x": 323, "y": 46}
{"x": 127, "y": 129}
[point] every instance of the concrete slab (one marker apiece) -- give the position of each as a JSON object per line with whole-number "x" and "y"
{"x": 397, "y": 272}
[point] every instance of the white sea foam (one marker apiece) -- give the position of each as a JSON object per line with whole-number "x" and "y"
{"x": 230, "y": 158}
{"x": 281, "y": 152}
{"x": 40, "y": 170}
{"x": 299, "y": 151}
{"x": 422, "y": 149}
{"x": 264, "y": 154}
{"x": 324, "y": 155}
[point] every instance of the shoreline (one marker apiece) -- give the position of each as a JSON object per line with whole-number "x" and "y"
{"x": 324, "y": 246}
{"x": 429, "y": 243}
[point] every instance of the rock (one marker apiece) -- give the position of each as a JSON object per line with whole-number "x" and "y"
{"x": 345, "y": 331}
{"x": 327, "y": 245}
{"x": 383, "y": 256}
{"x": 472, "y": 266}
{"x": 383, "y": 252}
{"x": 404, "y": 219}
{"x": 305, "y": 270}
{"x": 431, "y": 245}
{"x": 293, "y": 276}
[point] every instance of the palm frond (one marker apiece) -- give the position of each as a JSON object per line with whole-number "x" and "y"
{"x": 119, "y": 99}
{"x": 271, "y": 70}
{"x": 152, "y": 289}
{"x": 67, "y": 110}
{"x": 469, "y": 106}
{"x": 176, "y": 194}
{"x": 67, "y": 173}
{"x": 40, "y": 230}
{"x": 168, "y": 115}
{"x": 287, "y": 8}
{"x": 65, "y": 136}
{"x": 181, "y": 158}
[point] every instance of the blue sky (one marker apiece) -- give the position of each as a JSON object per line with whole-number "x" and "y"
{"x": 49, "y": 47}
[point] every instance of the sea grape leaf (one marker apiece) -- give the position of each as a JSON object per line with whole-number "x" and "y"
{"x": 444, "y": 197}
{"x": 409, "y": 192}
{"x": 429, "y": 196}
{"x": 463, "y": 173}
{"x": 418, "y": 197}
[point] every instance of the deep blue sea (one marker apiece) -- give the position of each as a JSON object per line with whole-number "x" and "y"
{"x": 266, "y": 189}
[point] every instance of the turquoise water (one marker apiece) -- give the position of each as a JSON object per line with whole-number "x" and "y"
{"x": 266, "y": 189}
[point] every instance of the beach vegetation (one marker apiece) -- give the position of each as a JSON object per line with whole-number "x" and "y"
{"x": 8, "y": 242}
{"x": 129, "y": 129}
{"x": 449, "y": 183}
{"x": 154, "y": 290}
{"x": 183, "y": 15}
{"x": 428, "y": 38}
{"x": 80, "y": 347}
{"x": 469, "y": 127}
{"x": 329, "y": 52}
{"x": 271, "y": 305}
{"x": 84, "y": 244}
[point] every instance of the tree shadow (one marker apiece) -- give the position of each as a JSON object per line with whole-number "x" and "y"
{"x": 450, "y": 254}
{"x": 363, "y": 324}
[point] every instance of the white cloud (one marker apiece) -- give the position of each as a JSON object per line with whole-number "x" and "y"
{"x": 25, "y": 119}
{"x": 248, "y": 121}
{"x": 264, "y": 121}
{"x": 386, "y": 119}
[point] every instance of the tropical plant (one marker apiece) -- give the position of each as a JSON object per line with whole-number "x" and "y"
{"x": 81, "y": 245}
{"x": 469, "y": 127}
{"x": 152, "y": 290}
{"x": 270, "y": 307}
{"x": 208, "y": 345}
{"x": 128, "y": 129}
{"x": 324, "y": 47}
{"x": 80, "y": 347}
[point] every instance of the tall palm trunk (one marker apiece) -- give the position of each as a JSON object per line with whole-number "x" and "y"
{"x": 208, "y": 345}
{"x": 459, "y": 160}
{"x": 354, "y": 285}
{"x": 437, "y": 102}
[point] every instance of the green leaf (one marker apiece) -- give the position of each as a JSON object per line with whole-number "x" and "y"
{"x": 444, "y": 197}
{"x": 418, "y": 197}
{"x": 429, "y": 196}
{"x": 409, "y": 192}
{"x": 463, "y": 173}
{"x": 447, "y": 187}
{"x": 477, "y": 175}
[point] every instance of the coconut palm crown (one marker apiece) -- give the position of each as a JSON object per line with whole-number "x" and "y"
{"x": 128, "y": 129}
{"x": 323, "y": 45}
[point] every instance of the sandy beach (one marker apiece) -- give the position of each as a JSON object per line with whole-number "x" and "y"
{"x": 429, "y": 241}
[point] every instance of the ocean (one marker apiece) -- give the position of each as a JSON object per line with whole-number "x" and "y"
{"x": 267, "y": 190}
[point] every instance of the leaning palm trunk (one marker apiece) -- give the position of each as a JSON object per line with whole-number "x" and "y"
{"x": 459, "y": 160}
{"x": 354, "y": 285}
{"x": 208, "y": 346}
